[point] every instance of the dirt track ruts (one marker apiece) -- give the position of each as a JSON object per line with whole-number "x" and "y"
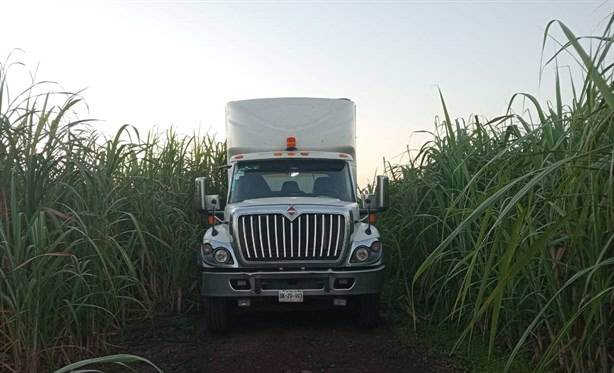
{"x": 318, "y": 341}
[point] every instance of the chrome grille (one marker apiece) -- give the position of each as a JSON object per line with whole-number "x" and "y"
{"x": 273, "y": 237}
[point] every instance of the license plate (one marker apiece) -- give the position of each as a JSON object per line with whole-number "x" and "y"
{"x": 293, "y": 296}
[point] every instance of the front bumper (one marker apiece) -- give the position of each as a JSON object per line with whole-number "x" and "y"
{"x": 312, "y": 282}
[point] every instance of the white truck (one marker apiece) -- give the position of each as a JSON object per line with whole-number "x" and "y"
{"x": 292, "y": 230}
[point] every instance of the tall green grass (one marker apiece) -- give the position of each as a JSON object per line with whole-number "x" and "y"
{"x": 93, "y": 230}
{"x": 506, "y": 226}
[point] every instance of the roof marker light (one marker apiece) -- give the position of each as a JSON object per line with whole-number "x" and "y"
{"x": 291, "y": 153}
{"x": 343, "y": 155}
{"x": 238, "y": 157}
{"x": 291, "y": 143}
{"x": 277, "y": 154}
{"x": 304, "y": 153}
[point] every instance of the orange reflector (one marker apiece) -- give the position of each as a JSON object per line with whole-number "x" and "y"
{"x": 291, "y": 142}
{"x": 211, "y": 220}
{"x": 304, "y": 153}
{"x": 372, "y": 218}
{"x": 343, "y": 155}
{"x": 238, "y": 157}
{"x": 277, "y": 154}
{"x": 291, "y": 153}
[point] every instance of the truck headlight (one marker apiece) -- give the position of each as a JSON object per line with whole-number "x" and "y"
{"x": 376, "y": 246}
{"x": 361, "y": 254}
{"x": 206, "y": 248}
{"x": 221, "y": 256}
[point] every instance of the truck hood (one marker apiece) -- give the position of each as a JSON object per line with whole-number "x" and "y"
{"x": 296, "y": 201}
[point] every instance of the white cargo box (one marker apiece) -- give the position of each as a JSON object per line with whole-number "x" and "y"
{"x": 318, "y": 124}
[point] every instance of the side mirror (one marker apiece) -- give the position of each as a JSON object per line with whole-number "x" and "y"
{"x": 377, "y": 202}
{"x": 200, "y": 193}
{"x": 206, "y": 203}
{"x": 381, "y": 193}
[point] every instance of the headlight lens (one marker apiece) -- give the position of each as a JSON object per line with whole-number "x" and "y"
{"x": 376, "y": 247}
{"x": 361, "y": 254}
{"x": 221, "y": 256}
{"x": 206, "y": 248}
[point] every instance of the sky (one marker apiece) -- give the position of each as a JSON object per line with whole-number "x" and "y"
{"x": 176, "y": 63}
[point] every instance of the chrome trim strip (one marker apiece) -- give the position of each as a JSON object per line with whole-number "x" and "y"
{"x": 268, "y": 236}
{"x": 338, "y": 231}
{"x": 276, "y": 243}
{"x": 244, "y": 238}
{"x": 330, "y": 234}
{"x": 299, "y": 236}
{"x": 322, "y": 240}
{"x": 260, "y": 234}
{"x": 315, "y": 234}
{"x": 291, "y": 238}
{"x": 283, "y": 225}
{"x": 307, "y": 235}
{"x": 251, "y": 225}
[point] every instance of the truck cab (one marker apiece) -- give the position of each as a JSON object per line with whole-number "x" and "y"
{"x": 292, "y": 230}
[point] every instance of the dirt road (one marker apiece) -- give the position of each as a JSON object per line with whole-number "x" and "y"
{"x": 318, "y": 341}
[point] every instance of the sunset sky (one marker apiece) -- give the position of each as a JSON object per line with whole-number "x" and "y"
{"x": 176, "y": 63}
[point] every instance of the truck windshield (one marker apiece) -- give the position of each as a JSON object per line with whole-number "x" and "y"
{"x": 291, "y": 178}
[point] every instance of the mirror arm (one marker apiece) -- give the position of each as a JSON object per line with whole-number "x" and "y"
{"x": 363, "y": 211}
{"x": 368, "y": 230}
{"x": 213, "y": 230}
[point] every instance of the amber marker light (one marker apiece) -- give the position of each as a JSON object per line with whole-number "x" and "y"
{"x": 291, "y": 143}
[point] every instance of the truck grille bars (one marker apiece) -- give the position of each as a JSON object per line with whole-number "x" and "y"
{"x": 273, "y": 237}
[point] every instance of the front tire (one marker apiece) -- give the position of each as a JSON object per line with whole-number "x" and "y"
{"x": 216, "y": 314}
{"x": 367, "y": 310}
